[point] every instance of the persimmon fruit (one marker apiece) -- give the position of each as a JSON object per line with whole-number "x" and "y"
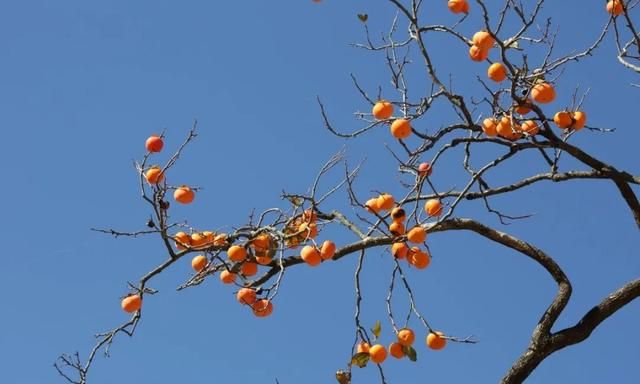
{"x": 433, "y": 207}
{"x": 424, "y": 169}
{"x": 154, "y": 143}
{"x": 489, "y": 126}
{"x": 458, "y": 6}
{"x": 401, "y": 128}
{"x": 262, "y": 308}
{"x": 395, "y": 350}
{"x": 382, "y": 110}
{"x": 399, "y": 250}
{"x": 543, "y": 93}
{"x": 377, "y": 353}
{"x": 154, "y": 175}
{"x": 497, "y": 72}
{"x": 227, "y": 277}
{"x": 483, "y": 40}
{"x": 131, "y": 303}
{"x": 246, "y": 296}
{"x": 417, "y": 235}
{"x": 327, "y": 250}
{"x": 184, "y": 195}
{"x": 199, "y": 262}
{"x": 406, "y": 337}
{"x": 436, "y": 341}
{"x": 311, "y": 255}
{"x": 615, "y": 7}
{"x": 236, "y": 253}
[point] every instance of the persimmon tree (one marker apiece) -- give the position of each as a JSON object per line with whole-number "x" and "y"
{"x": 510, "y": 116}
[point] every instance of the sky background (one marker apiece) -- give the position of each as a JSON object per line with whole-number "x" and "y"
{"x": 82, "y": 84}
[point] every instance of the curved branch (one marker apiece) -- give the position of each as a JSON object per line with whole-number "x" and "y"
{"x": 592, "y": 319}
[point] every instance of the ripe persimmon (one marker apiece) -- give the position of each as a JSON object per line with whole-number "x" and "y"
{"x": 396, "y": 228}
{"x": 524, "y": 108}
{"x": 563, "y": 119}
{"x": 424, "y": 169}
{"x": 363, "y": 347}
{"x": 262, "y": 308}
{"x": 579, "y": 120}
{"x": 477, "y": 53}
{"x": 398, "y": 214}
{"x": 418, "y": 258}
{"x": 436, "y": 341}
{"x": 182, "y": 240}
{"x": 433, "y": 207}
{"x": 227, "y": 277}
{"x": 507, "y": 129}
{"x": 263, "y": 260}
{"x": 395, "y": 350}
{"x": 497, "y": 72}
{"x": 220, "y": 239}
{"x": 543, "y": 93}
{"x": 209, "y": 237}
{"x": 385, "y": 202}
{"x": 489, "y": 126}
{"x": 406, "y": 337}
{"x": 198, "y": 240}
{"x": 399, "y": 250}
{"x": 261, "y": 242}
{"x": 530, "y": 127}
{"x": 382, "y": 110}
{"x": 377, "y": 353}
{"x": 246, "y": 296}
{"x": 154, "y": 175}
{"x": 615, "y": 7}
{"x": 401, "y": 128}
{"x": 417, "y": 235}
{"x": 458, "y": 6}
{"x": 249, "y": 268}
{"x": 483, "y": 40}
{"x": 154, "y": 143}
{"x": 236, "y": 253}
{"x": 327, "y": 250}
{"x": 199, "y": 262}
{"x": 311, "y": 255}
{"x": 184, "y": 195}
{"x": 131, "y": 303}
{"x": 372, "y": 205}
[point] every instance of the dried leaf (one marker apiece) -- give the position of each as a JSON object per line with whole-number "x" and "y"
{"x": 343, "y": 377}
{"x": 363, "y": 17}
{"x": 360, "y": 359}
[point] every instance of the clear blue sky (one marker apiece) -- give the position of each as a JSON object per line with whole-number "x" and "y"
{"x": 84, "y": 83}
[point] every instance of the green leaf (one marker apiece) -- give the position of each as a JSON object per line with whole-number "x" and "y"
{"x": 360, "y": 359}
{"x": 410, "y": 353}
{"x": 377, "y": 328}
{"x": 363, "y": 17}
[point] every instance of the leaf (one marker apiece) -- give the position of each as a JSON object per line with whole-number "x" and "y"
{"x": 363, "y": 17}
{"x": 296, "y": 201}
{"x": 377, "y": 328}
{"x": 360, "y": 359}
{"x": 343, "y": 377}
{"x": 410, "y": 352}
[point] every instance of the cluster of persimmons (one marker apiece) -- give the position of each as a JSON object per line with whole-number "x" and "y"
{"x": 512, "y": 124}
{"x": 400, "y": 348}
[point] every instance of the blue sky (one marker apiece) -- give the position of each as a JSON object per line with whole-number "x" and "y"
{"x": 83, "y": 85}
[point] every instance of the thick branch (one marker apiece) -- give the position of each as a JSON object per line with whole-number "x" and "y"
{"x": 607, "y": 307}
